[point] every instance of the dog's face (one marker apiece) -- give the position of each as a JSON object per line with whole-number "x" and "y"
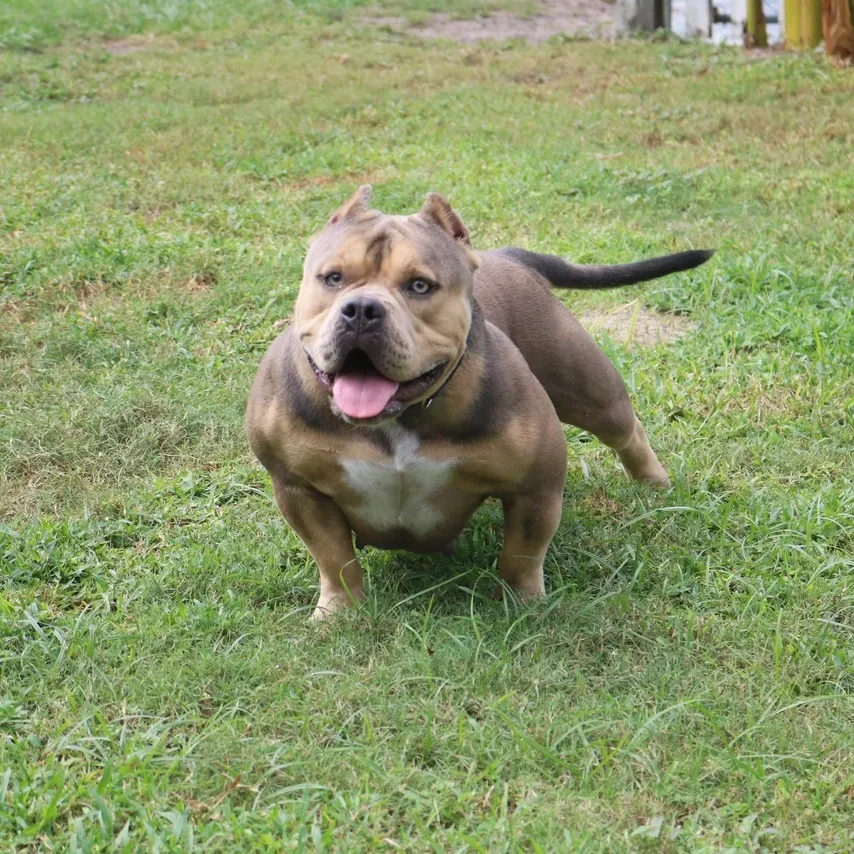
{"x": 384, "y": 308}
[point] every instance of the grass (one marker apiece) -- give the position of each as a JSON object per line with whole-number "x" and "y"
{"x": 688, "y": 684}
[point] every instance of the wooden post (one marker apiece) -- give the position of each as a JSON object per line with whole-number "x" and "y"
{"x": 644, "y": 15}
{"x": 838, "y": 25}
{"x": 650, "y": 15}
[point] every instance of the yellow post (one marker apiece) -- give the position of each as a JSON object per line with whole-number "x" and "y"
{"x": 792, "y": 22}
{"x": 803, "y": 23}
{"x": 756, "y": 23}
{"x": 811, "y": 14}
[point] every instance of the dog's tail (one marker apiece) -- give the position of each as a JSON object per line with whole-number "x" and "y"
{"x": 562, "y": 274}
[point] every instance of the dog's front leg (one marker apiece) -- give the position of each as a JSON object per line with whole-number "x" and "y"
{"x": 324, "y": 529}
{"x": 530, "y": 522}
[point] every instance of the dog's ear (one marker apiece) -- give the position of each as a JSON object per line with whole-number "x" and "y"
{"x": 437, "y": 210}
{"x": 355, "y": 206}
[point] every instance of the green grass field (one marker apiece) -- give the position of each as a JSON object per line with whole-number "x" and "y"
{"x": 689, "y": 683}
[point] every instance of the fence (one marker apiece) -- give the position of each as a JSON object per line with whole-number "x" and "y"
{"x": 803, "y": 23}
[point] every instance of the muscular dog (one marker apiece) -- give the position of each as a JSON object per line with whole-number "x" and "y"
{"x": 419, "y": 377}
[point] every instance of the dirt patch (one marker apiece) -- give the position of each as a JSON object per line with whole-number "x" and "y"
{"x": 121, "y": 47}
{"x": 635, "y": 326}
{"x": 578, "y": 18}
{"x": 200, "y": 283}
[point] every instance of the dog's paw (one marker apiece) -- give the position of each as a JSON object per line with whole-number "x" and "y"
{"x": 661, "y": 481}
{"x": 522, "y": 593}
{"x": 330, "y": 604}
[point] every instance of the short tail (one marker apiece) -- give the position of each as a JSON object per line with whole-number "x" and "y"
{"x": 561, "y": 274}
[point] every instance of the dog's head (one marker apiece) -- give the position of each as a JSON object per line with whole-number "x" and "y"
{"x": 384, "y": 309}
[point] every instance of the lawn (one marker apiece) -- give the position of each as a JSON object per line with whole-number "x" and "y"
{"x": 688, "y": 684}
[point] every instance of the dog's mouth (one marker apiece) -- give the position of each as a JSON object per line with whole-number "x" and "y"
{"x": 362, "y": 392}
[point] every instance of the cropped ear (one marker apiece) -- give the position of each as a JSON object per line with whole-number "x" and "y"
{"x": 357, "y": 204}
{"x": 437, "y": 210}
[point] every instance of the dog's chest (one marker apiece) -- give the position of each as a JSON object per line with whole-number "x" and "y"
{"x": 399, "y": 490}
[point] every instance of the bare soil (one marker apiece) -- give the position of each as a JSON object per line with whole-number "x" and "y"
{"x": 576, "y": 18}
{"x": 633, "y": 325}
{"x": 121, "y": 47}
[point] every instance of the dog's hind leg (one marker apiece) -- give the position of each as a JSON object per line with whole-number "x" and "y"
{"x": 584, "y": 387}
{"x": 592, "y": 396}
{"x": 587, "y": 391}
{"x": 636, "y": 455}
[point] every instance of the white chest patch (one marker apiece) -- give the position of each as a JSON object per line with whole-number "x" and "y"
{"x": 397, "y": 489}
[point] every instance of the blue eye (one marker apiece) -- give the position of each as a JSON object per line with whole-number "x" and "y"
{"x": 333, "y": 279}
{"x": 420, "y": 287}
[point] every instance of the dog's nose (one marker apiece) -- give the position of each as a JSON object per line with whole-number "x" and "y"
{"x": 363, "y": 314}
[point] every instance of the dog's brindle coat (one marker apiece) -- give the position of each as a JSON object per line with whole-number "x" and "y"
{"x": 490, "y": 363}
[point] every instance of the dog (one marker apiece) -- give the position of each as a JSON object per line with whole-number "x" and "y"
{"x": 419, "y": 378}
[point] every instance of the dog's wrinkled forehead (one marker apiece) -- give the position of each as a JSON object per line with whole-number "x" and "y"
{"x": 431, "y": 243}
{"x": 389, "y": 246}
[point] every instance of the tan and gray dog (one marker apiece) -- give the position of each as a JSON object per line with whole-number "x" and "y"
{"x": 419, "y": 378}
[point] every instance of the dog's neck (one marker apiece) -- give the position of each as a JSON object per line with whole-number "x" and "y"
{"x": 429, "y": 401}
{"x": 463, "y": 407}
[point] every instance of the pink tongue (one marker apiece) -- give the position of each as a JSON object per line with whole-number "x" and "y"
{"x": 363, "y": 395}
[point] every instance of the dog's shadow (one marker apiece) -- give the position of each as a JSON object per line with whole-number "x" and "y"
{"x": 580, "y": 566}
{"x": 452, "y": 581}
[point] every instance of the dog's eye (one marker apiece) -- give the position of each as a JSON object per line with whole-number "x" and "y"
{"x": 333, "y": 279}
{"x": 420, "y": 287}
